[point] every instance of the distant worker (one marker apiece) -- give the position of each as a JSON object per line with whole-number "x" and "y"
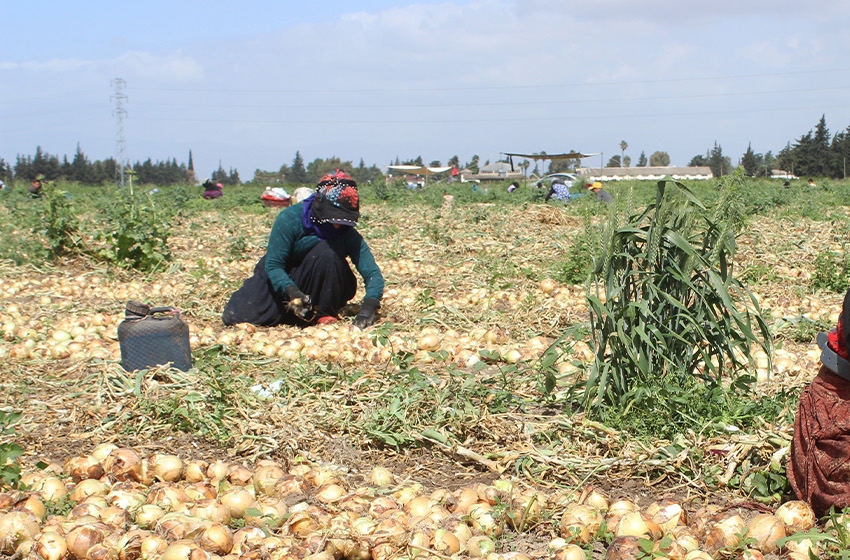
{"x": 36, "y": 186}
{"x": 812, "y": 183}
{"x": 513, "y": 186}
{"x": 559, "y": 190}
{"x": 601, "y": 194}
{"x": 212, "y": 190}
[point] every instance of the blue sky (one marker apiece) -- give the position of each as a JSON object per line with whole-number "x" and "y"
{"x": 248, "y": 84}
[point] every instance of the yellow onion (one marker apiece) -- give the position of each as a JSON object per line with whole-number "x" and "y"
{"x": 751, "y": 554}
{"x": 407, "y": 493}
{"x": 290, "y": 484}
{"x": 597, "y": 499}
{"x": 462, "y": 500}
{"x": 115, "y": 517}
{"x": 330, "y": 493}
{"x": 301, "y": 524}
{"x": 50, "y": 545}
{"x": 445, "y": 542}
{"x": 166, "y": 468}
{"x": 89, "y": 487}
{"x": 724, "y": 533}
{"x": 419, "y": 543}
{"x": 195, "y": 471}
{"x": 265, "y": 477}
{"x": 153, "y": 545}
{"x": 211, "y": 510}
{"x": 268, "y": 512}
{"x": 237, "y": 501}
{"x": 239, "y": 475}
{"x": 766, "y": 529}
{"x": 102, "y": 451}
{"x": 698, "y": 555}
{"x": 34, "y": 505}
{"x": 129, "y": 500}
{"x": 167, "y": 496}
{"x": 381, "y": 476}
{"x": 52, "y": 489}
{"x": 419, "y": 506}
{"x": 569, "y": 552}
{"x": 82, "y": 468}
{"x": 82, "y": 538}
{"x": 246, "y": 539}
{"x": 382, "y": 506}
{"x": 797, "y": 516}
{"x": 637, "y": 524}
{"x": 176, "y": 526}
{"x": 129, "y": 545}
{"x": 667, "y": 515}
{"x": 217, "y": 539}
{"x": 484, "y": 520}
{"x": 525, "y": 510}
{"x": 480, "y": 546}
{"x": 218, "y": 470}
{"x": 184, "y": 550}
{"x": 617, "y": 509}
{"x": 123, "y": 464}
{"x": 147, "y": 515}
{"x": 15, "y": 528}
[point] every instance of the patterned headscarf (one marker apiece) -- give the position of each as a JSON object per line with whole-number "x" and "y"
{"x": 336, "y": 200}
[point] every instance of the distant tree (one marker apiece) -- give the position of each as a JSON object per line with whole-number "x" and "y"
{"x": 614, "y": 162}
{"x": 80, "y": 168}
{"x": 840, "y": 153}
{"x": 435, "y": 163}
{"x": 785, "y": 159}
{"x": 366, "y": 175}
{"x": 659, "y": 159}
{"x": 698, "y": 161}
{"x": 297, "y": 171}
{"x": 720, "y": 165}
{"x": 751, "y": 161}
{"x": 5, "y": 171}
{"x": 318, "y": 168}
{"x": 453, "y": 161}
{"x": 562, "y": 165}
{"x": 627, "y": 161}
{"x": 623, "y": 146}
{"x": 820, "y": 156}
{"x": 190, "y": 170}
{"x": 230, "y": 177}
{"x": 642, "y": 160}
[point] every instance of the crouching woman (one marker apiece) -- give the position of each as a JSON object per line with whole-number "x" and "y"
{"x": 304, "y": 278}
{"x": 819, "y": 463}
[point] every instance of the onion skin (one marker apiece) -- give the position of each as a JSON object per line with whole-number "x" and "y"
{"x": 124, "y": 464}
{"x": 82, "y": 538}
{"x": 766, "y": 529}
{"x": 15, "y": 528}
{"x": 797, "y": 516}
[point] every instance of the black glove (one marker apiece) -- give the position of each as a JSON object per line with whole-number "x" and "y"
{"x": 368, "y": 313}
{"x": 300, "y": 304}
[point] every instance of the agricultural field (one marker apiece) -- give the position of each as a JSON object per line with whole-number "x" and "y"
{"x": 448, "y": 429}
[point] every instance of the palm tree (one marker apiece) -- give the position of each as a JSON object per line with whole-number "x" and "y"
{"x": 623, "y": 146}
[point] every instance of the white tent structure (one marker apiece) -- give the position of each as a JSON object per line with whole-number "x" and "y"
{"x": 423, "y": 170}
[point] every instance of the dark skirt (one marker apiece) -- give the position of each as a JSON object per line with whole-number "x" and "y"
{"x": 324, "y": 275}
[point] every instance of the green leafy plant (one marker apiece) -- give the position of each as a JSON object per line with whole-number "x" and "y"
{"x": 137, "y": 236}
{"x": 59, "y": 226}
{"x": 832, "y": 271}
{"x": 667, "y": 311}
{"x": 10, "y": 469}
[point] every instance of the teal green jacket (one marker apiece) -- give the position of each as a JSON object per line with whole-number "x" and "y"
{"x": 289, "y": 244}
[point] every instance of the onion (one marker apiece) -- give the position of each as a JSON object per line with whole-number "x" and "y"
{"x": 184, "y": 550}
{"x": 382, "y": 506}
{"x": 290, "y": 484}
{"x": 480, "y": 546}
{"x": 115, "y": 517}
{"x": 82, "y": 468}
{"x": 766, "y": 529}
{"x": 420, "y": 543}
{"x": 637, "y": 524}
{"x": 123, "y": 464}
{"x": 167, "y": 496}
{"x": 50, "y": 545}
{"x": 330, "y": 493}
{"x": 797, "y": 516}
{"x": 381, "y": 476}
{"x": 166, "y": 468}
{"x": 129, "y": 500}
{"x": 239, "y": 475}
{"x": 34, "y": 505}
{"x": 419, "y": 506}
{"x": 217, "y": 539}
{"x": 153, "y": 545}
{"x": 246, "y": 539}
{"x": 102, "y": 451}
{"x": 147, "y": 515}
{"x": 265, "y": 477}
{"x": 196, "y": 471}
{"x": 269, "y": 513}
{"x": 211, "y": 510}
{"x": 89, "y": 487}
{"x": 81, "y": 539}
{"x": 667, "y": 515}
{"x": 445, "y": 542}
{"x": 597, "y": 499}
{"x": 462, "y": 500}
{"x": 698, "y": 555}
{"x": 237, "y": 501}
{"x": 218, "y": 470}
{"x": 52, "y": 489}
{"x": 547, "y": 285}
{"x": 724, "y": 533}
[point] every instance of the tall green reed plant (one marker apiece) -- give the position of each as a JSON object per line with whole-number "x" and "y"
{"x": 667, "y": 312}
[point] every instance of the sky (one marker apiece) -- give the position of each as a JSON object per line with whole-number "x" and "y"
{"x": 245, "y": 85}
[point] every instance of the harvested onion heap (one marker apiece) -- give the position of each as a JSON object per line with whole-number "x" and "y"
{"x": 121, "y": 506}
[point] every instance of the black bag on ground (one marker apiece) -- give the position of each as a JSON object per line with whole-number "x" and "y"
{"x": 153, "y": 336}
